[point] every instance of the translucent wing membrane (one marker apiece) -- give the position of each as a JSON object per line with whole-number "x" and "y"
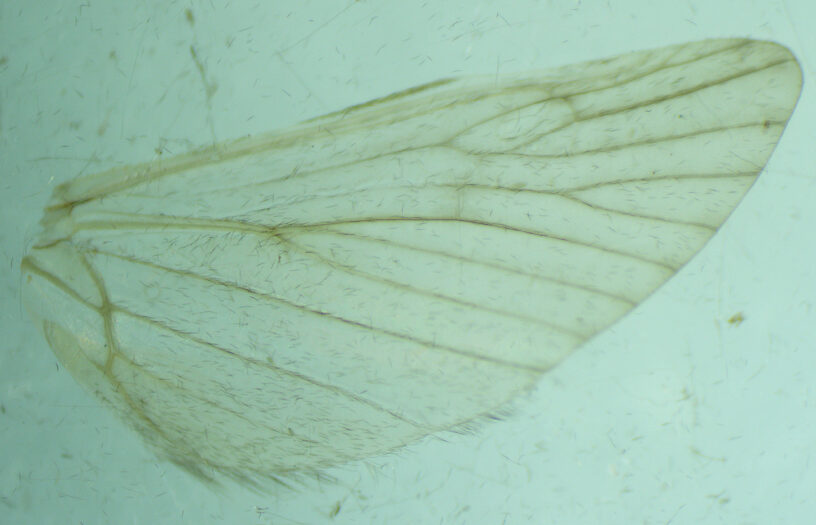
{"x": 293, "y": 301}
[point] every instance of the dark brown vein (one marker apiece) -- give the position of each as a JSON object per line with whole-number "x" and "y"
{"x": 324, "y": 315}
{"x": 425, "y": 293}
{"x": 515, "y": 271}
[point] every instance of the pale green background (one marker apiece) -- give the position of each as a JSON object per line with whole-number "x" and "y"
{"x": 673, "y": 415}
